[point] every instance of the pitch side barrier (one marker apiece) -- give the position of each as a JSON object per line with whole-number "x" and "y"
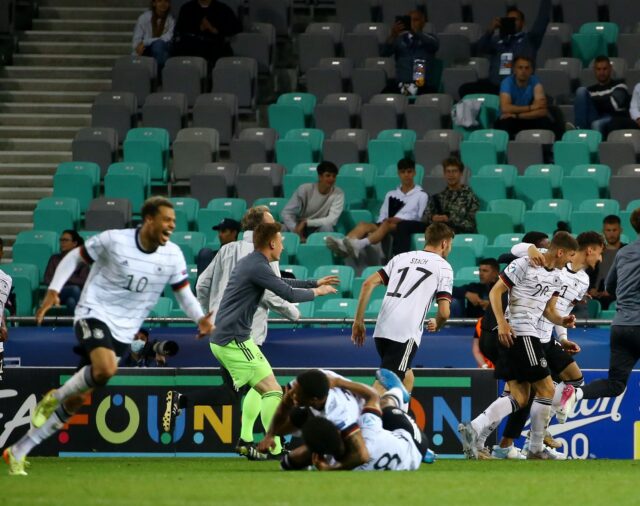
{"x": 124, "y": 418}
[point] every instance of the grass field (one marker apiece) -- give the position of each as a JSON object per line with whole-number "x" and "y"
{"x": 235, "y": 481}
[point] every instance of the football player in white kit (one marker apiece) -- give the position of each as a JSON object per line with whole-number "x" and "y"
{"x": 129, "y": 270}
{"x": 414, "y": 280}
{"x": 522, "y": 361}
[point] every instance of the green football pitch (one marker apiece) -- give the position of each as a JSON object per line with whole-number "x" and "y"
{"x": 235, "y": 481}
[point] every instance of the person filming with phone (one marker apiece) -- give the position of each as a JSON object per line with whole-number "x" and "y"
{"x": 505, "y": 39}
{"x": 414, "y": 52}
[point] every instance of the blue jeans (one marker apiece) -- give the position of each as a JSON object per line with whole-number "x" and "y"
{"x": 159, "y": 50}
{"x": 586, "y": 114}
{"x": 69, "y": 296}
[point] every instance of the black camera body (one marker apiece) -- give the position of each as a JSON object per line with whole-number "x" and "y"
{"x": 507, "y": 26}
{"x": 405, "y": 21}
{"x": 165, "y": 348}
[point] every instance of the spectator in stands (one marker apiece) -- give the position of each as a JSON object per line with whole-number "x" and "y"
{"x": 203, "y": 29}
{"x": 315, "y": 207}
{"x": 407, "y": 202}
{"x": 634, "y": 109}
{"x": 504, "y": 47}
{"x": 228, "y": 231}
{"x": 612, "y": 231}
{"x": 476, "y": 294}
{"x": 414, "y": 52}
{"x": 70, "y": 293}
{"x": 523, "y": 104}
{"x": 154, "y": 31}
{"x": 604, "y": 105}
{"x": 456, "y": 205}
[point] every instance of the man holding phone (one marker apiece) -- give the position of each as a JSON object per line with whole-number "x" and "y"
{"x": 505, "y": 39}
{"x": 414, "y": 52}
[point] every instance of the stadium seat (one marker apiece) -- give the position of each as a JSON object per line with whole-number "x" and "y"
{"x": 117, "y": 110}
{"x": 603, "y": 206}
{"x": 35, "y": 247}
{"x": 601, "y": 173}
{"x": 507, "y": 173}
{"x": 186, "y": 75}
{"x": 95, "y": 144}
{"x": 513, "y": 207}
{"x": 383, "y": 153}
{"x": 591, "y": 137}
{"x": 106, "y": 213}
{"x": 79, "y": 186}
{"x": 531, "y": 189}
{"x": 315, "y": 253}
{"x": 406, "y": 137}
{"x": 135, "y": 74}
{"x": 491, "y": 223}
{"x": 291, "y": 182}
{"x": 584, "y": 221}
{"x": 579, "y": 188}
{"x": 554, "y": 173}
{"x": 540, "y": 221}
{"x": 586, "y": 46}
{"x": 190, "y": 243}
{"x": 56, "y": 214}
{"x": 462, "y": 256}
{"x": 290, "y": 153}
{"x": 192, "y": 150}
{"x": 275, "y": 12}
{"x": 208, "y": 218}
{"x": 237, "y": 75}
{"x": 167, "y": 111}
{"x": 344, "y": 272}
{"x": 499, "y": 138}
{"x": 151, "y": 146}
{"x": 466, "y": 276}
{"x": 475, "y": 241}
{"x": 488, "y": 188}
{"x": 285, "y": 117}
{"x": 291, "y": 242}
{"x": 275, "y": 205}
{"x": 336, "y": 308}
{"x": 568, "y": 154}
{"x": 475, "y": 154}
{"x": 366, "y": 171}
{"x": 25, "y": 285}
{"x": 298, "y": 271}
{"x": 126, "y": 186}
{"x": 235, "y": 207}
{"x": 562, "y": 208}
{"x": 608, "y": 31}
{"x": 355, "y": 192}
{"x": 218, "y": 111}
{"x": 314, "y": 136}
{"x": 188, "y": 207}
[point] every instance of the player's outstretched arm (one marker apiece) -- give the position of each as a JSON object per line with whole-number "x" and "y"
{"x": 193, "y": 310}
{"x": 504, "y": 329}
{"x": 358, "y": 330}
{"x": 551, "y": 314}
{"x": 280, "y": 423}
{"x": 50, "y": 299}
{"x": 368, "y": 394}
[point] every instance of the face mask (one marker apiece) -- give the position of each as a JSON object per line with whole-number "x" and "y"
{"x": 137, "y": 345}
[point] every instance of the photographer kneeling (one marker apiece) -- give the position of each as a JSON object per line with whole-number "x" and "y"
{"x": 147, "y": 353}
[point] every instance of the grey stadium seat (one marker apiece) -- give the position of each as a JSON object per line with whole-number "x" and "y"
{"x": 616, "y": 154}
{"x": 276, "y": 12}
{"x": 105, "y": 213}
{"x": 98, "y": 145}
{"x": 117, "y": 110}
{"x": 274, "y": 170}
{"x": 338, "y": 110}
{"x": 252, "y": 187}
{"x": 253, "y": 145}
{"x": 452, "y": 137}
{"x": 219, "y": 111}
{"x": 368, "y": 82}
{"x": 255, "y": 45}
{"x": 165, "y": 110}
{"x": 137, "y": 74}
{"x": 453, "y": 78}
{"x": 185, "y": 74}
{"x": 624, "y": 189}
{"x": 455, "y": 48}
{"x": 312, "y": 47}
{"x": 192, "y": 150}
{"x": 442, "y": 12}
{"x": 430, "y": 153}
{"x": 239, "y": 76}
{"x": 360, "y": 46}
{"x": 351, "y": 12}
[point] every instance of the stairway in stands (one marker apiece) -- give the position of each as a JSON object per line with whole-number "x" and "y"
{"x": 46, "y": 96}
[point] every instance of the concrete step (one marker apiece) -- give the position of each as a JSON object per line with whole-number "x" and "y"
{"x": 10, "y": 194}
{"x": 18, "y": 205}
{"x": 16, "y": 217}
{"x": 85, "y": 25}
{"x": 34, "y": 72}
{"x": 18, "y": 157}
{"x": 36, "y": 169}
{"x": 46, "y": 120}
{"x": 35, "y": 145}
{"x": 27, "y": 132}
{"x": 141, "y": 5}
{"x": 13, "y": 229}
{"x": 55, "y": 84}
{"x": 88, "y": 48}
{"x": 90, "y": 13}
{"x": 39, "y": 108}
{"x": 70, "y": 36}
{"x": 47, "y": 97}
{"x": 65, "y": 60}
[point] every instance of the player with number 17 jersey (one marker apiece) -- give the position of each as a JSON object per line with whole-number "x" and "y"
{"x": 414, "y": 280}
{"x": 125, "y": 280}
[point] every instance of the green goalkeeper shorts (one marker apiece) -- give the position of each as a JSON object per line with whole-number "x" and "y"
{"x": 244, "y": 361}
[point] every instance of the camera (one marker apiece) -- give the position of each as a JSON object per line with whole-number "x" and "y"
{"x": 166, "y": 348}
{"x": 507, "y": 26}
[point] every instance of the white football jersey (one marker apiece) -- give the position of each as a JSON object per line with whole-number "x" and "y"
{"x": 530, "y": 287}
{"x": 125, "y": 282}
{"x": 388, "y": 450}
{"x": 342, "y": 408}
{"x": 414, "y": 280}
{"x": 573, "y": 288}
{"x": 5, "y": 289}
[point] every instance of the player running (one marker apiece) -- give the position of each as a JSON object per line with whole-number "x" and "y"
{"x": 129, "y": 270}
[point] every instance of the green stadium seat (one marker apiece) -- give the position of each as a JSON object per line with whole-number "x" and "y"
{"x": 585, "y": 221}
{"x": 336, "y": 308}
{"x": 365, "y": 170}
{"x": 568, "y": 154}
{"x": 140, "y": 169}
{"x": 35, "y": 247}
{"x": 578, "y": 189}
{"x": 601, "y": 173}
{"x": 314, "y": 136}
{"x": 603, "y": 206}
{"x": 508, "y": 240}
{"x": 190, "y": 243}
{"x": 594, "y": 307}
{"x": 299, "y": 271}
{"x": 634, "y": 204}
{"x": 475, "y": 241}
{"x": 306, "y": 169}
{"x": 406, "y": 137}
{"x": 344, "y": 272}
{"x": 90, "y": 169}
{"x": 418, "y": 241}
{"x": 384, "y": 184}
{"x": 562, "y": 208}
{"x": 314, "y": 253}
{"x": 540, "y": 221}
{"x": 355, "y": 192}
{"x": 305, "y": 100}
{"x": 462, "y": 256}
{"x": 383, "y": 153}
{"x": 609, "y": 31}
{"x": 290, "y": 153}
{"x": 150, "y": 146}
{"x": 208, "y": 218}
{"x": 126, "y": 186}
{"x": 56, "y": 214}
{"x": 285, "y": 117}
{"x": 476, "y": 154}
{"x": 530, "y": 189}
{"x": 291, "y": 242}
{"x": 189, "y": 206}
{"x": 306, "y": 311}
{"x": 373, "y": 308}
{"x": 488, "y": 188}
{"x": 466, "y": 276}
{"x": 378, "y": 291}
{"x": 351, "y": 217}
{"x": 592, "y": 138}
{"x": 499, "y": 138}
{"x": 291, "y": 182}
{"x": 79, "y": 186}
{"x": 275, "y": 205}
{"x": 493, "y": 251}
{"x": 25, "y": 284}
{"x": 513, "y": 207}
{"x": 492, "y": 224}
{"x": 586, "y": 46}
{"x": 549, "y": 171}
{"x": 392, "y": 170}
{"x": 235, "y": 207}
{"x": 489, "y": 111}
{"x": 626, "y": 225}
{"x": 162, "y": 309}
{"x": 508, "y": 173}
